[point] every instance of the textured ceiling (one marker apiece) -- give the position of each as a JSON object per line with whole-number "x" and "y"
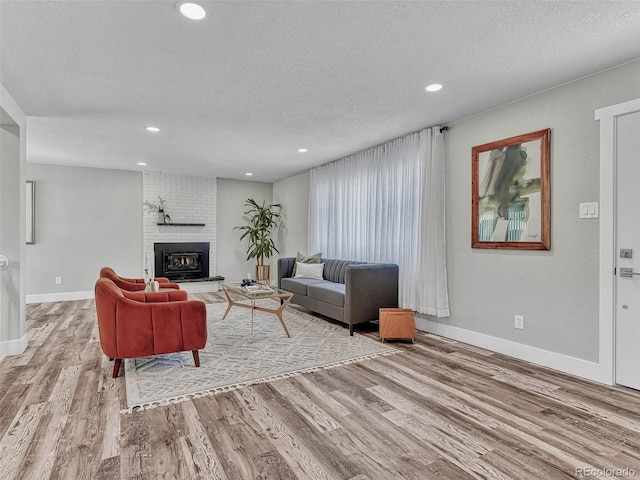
{"x": 243, "y": 89}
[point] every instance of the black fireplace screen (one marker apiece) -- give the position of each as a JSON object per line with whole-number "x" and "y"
{"x": 182, "y": 261}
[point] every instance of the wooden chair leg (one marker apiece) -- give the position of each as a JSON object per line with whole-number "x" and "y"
{"x": 116, "y": 367}
{"x": 196, "y": 357}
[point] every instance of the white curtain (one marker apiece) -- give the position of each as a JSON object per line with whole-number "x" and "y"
{"x": 386, "y": 204}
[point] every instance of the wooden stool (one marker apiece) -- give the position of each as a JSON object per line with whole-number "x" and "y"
{"x": 397, "y": 323}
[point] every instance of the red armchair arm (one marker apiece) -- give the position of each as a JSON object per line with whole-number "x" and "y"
{"x": 133, "y": 284}
{"x": 131, "y": 280}
{"x": 151, "y": 297}
{"x": 141, "y": 280}
{"x": 137, "y": 287}
{"x": 128, "y": 286}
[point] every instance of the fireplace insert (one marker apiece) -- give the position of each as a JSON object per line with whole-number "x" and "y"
{"x": 182, "y": 261}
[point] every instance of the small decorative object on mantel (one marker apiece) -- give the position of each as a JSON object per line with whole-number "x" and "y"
{"x": 159, "y": 208}
{"x": 262, "y": 218}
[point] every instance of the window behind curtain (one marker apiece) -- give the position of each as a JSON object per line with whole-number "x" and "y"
{"x": 371, "y": 207}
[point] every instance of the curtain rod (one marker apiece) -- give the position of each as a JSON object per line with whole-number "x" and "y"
{"x": 442, "y": 130}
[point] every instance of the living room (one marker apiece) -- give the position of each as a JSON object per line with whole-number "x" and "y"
{"x": 75, "y": 221}
{"x": 92, "y": 216}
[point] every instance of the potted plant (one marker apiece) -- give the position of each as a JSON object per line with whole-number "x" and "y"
{"x": 262, "y": 220}
{"x": 159, "y": 208}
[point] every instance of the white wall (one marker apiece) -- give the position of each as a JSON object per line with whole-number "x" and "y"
{"x": 189, "y": 199}
{"x": 232, "y": 255}
{"x": 13, "y": 336}
{"x": 86, "y": 218}
{"x": 293, "y": 194}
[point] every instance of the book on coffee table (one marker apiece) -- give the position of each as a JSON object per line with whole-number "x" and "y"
{"x": 257, "y": 288}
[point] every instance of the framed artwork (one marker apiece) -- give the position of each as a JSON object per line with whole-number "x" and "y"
{"x": 510, "y": 202}
{"x": 31, "y": 212}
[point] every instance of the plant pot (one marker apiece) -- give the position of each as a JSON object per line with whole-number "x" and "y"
{"x": 263, "y": 272}
{"x": 161, "y": 216}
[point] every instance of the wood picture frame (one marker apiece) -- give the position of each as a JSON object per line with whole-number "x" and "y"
{"x": 510, "y": 193}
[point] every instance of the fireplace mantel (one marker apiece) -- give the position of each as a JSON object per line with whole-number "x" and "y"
{"x": 182, "y": 224}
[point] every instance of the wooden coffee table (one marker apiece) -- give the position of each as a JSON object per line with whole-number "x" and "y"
{"x": 236, "y": 289}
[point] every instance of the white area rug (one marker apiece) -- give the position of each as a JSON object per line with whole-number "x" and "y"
{"x": 233, "y": 359}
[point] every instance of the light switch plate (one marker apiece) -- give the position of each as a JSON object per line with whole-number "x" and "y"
{"x": 589, "y": 210}
{"x": 626, "y": 253}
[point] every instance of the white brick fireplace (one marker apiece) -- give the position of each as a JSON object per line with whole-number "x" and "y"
{"x": 189, "y": 199}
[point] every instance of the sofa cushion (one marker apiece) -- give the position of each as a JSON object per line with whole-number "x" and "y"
{"x": 304, "y": 258}
{"x": 328, "y": 292}
{"x": 299, "y": 285}
{"x": 336, "y": 270}
{"x": 306, "y": 270}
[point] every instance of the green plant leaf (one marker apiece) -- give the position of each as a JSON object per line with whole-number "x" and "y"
{"x": 263, "y": 219}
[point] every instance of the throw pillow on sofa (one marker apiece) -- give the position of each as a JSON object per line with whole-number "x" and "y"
{"x": 309, "y": 270}
{"x": 304, "y": 258}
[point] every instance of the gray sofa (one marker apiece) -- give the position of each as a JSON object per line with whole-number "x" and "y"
{"x": 350, "y": 292}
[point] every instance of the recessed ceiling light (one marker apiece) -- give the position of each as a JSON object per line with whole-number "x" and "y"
{"x": 142, "y": 164}
{"x": 192, "y": 11}
{"x": 152, "y": 129}
{"x": 248, "y": 174}
{"x": 434, "y": 87}
{"x": 303, "y": 150}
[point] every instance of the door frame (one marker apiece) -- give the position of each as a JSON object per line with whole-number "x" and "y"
{"x": 17, "y": 340}
{"x": 607, "y": 258}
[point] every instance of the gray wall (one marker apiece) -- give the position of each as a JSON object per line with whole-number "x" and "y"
{"x": 556, "y": 291}
{"x": 86, "y": 218}
{"x": 293, "y": 194}
{"x": 232, "y": 255}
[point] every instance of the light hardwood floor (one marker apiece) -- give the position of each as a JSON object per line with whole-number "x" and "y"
{"x": 439, "y": 409}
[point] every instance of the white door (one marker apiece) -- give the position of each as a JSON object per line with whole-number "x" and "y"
{"x": 627, "y": 280}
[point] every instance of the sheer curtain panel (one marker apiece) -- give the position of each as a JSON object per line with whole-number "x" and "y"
{"x": 386, "y": 204}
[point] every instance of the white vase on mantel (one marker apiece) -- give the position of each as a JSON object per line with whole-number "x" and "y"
{"x": 161, "y": 216}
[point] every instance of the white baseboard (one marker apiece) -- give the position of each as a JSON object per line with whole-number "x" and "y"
{"x": 14, "y": 347}
{"x": 557, "y": 361}
{"x": 59, "y": 297}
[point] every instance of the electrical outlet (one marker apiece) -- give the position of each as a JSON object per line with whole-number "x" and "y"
{"x": 519, "y": 322}
{"x": 58, "y": 280}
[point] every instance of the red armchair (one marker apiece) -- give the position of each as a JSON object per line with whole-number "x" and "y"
{"x": 133, "y": 284}
{"x": 138, "y": 324}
